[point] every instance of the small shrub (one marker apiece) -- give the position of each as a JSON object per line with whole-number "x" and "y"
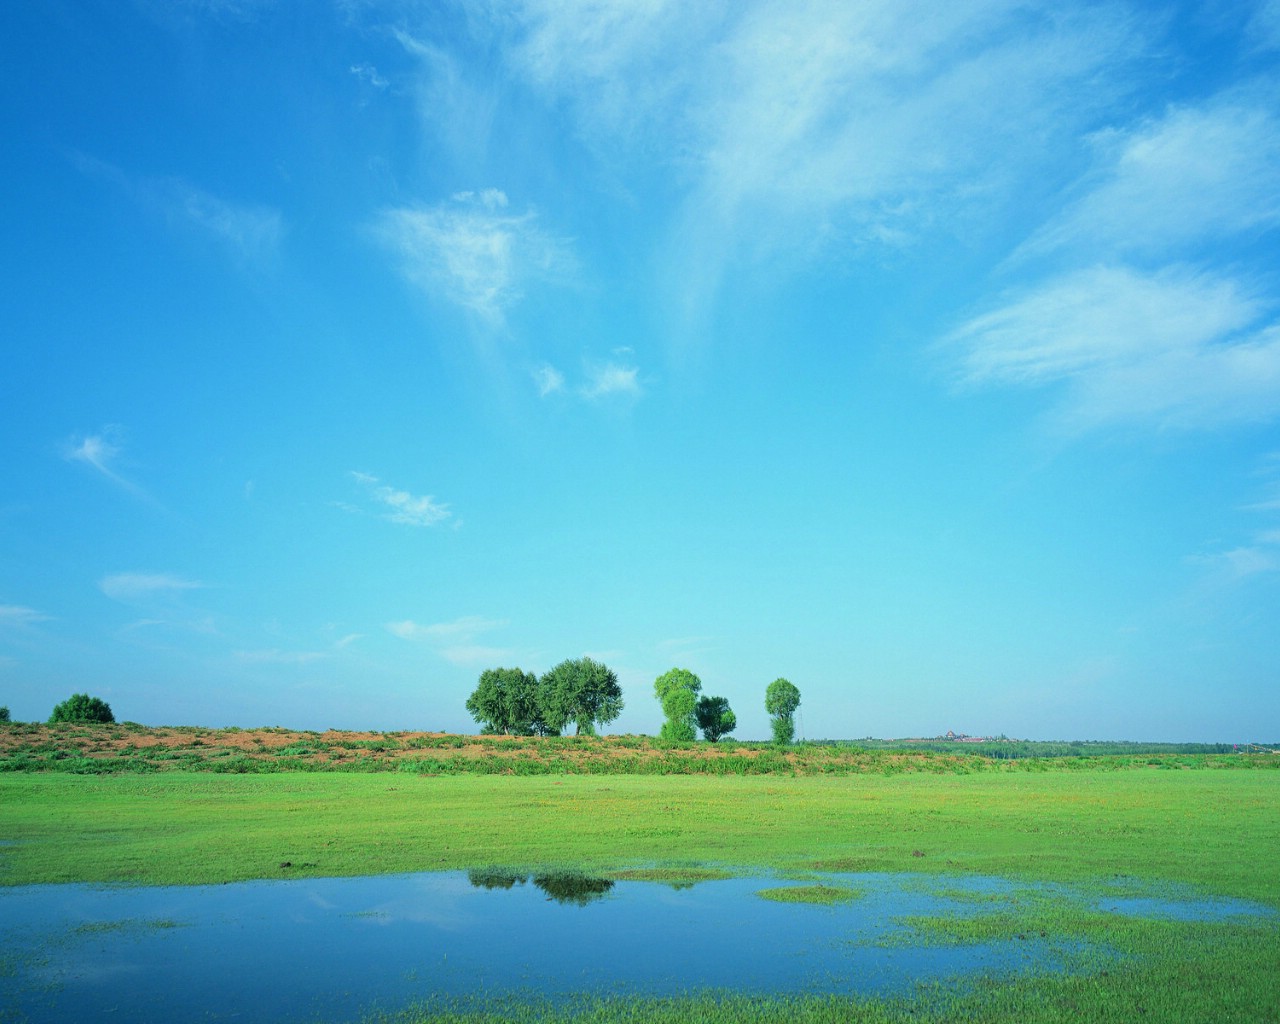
{"x": 4, "y": 714}
{"x": 80, "y": 707}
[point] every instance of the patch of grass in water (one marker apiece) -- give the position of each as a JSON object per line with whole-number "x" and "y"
{"x": 127, "y": 925}
{"x": 820, "y": 894}
{"x": 679, "y": 878}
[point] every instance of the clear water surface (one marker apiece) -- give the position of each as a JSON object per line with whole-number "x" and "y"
{"x": 327, "y": 949}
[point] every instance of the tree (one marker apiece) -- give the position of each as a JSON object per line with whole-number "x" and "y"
{"x": 677, "y": 691}
{"x": 506, "y": 701}
{"x": 582, "y": 691}
{"x": 80, "y": 707}
{"x": 781, "y": 700}
{"x": 715, "y": 718}
{"x": 4, "y": 714}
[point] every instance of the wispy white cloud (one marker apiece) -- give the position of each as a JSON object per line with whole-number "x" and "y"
{"x": 471, "y": 252}
{"x": 405, "y": 508}
{"x": 1243, "y": 562}
{"x": 615, "y": 378}
{"x": 96, "y": 450}
{"x": 455, "y": 641}
{"x": 102, "y": 452}
{"x": 251, "y": 233}
{"x": 548, "y": 380}
{"x": 1127, "y": 313}
{"x": 142, "y": 586}
{"x": 1260, "y": 553}
{"x": 611, "y": 379}
{"x": 1175, "y": 348}
{"x": 795, "y": 123}
{"x": 456, "y": 106}
{"x": 369, "y": 74}
{"x": 14, "y": 616}
{"x": 1195, "y": 174}
{"x": 462, "y": 630}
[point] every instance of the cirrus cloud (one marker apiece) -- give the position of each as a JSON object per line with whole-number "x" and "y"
{"x": 455, "y": 641}
{"x": 140, "y": 586}
{"x": 472, "y": 253}
{"x": 16, "y": 616}
{"x": 404, "y": 508}
{"x": 1174, "y": 348}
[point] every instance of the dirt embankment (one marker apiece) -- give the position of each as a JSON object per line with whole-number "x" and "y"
{"x": 103, "y": 749}
{"x": 132, "y": 748}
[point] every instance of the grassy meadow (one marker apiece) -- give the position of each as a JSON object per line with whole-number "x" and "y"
{"x": 1113, "y": 825}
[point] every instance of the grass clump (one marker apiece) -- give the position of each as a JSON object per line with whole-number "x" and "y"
{"x": 678, "y": 877}
{"x": 819, "y": 894}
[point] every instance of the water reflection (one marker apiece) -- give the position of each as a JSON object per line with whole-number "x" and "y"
{"x": 325, "y": 949}
{"x": 562, "y": 886}
{"x": 494, "y": 878}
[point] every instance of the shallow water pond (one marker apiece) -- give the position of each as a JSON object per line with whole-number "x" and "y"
{"x": 326, "y": 949}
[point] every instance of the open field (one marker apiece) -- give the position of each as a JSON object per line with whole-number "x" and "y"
{"x": 1215, "y": 829}
{"x": 1115, "y": 824}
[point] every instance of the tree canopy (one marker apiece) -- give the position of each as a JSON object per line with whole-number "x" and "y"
{"x": 677, "y": 691}
{"x": 582, "y": 691}
{"x": 781, "y": 700}
{"x": 715, "y": 718}
{"x": 80, "y": 707}
{"x": 506, "y": 701}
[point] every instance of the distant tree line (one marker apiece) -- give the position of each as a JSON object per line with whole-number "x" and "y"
{"x": 1003, "y": 749}
{"x": 510, "y": 701}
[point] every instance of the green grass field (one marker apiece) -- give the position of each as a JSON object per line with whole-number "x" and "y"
{"x": 1215, "y": 831}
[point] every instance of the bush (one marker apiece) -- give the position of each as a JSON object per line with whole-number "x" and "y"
{"x": 80, "y": 707}
{"x": 4, "y": 714}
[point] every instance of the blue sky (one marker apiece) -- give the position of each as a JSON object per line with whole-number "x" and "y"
{"x": 925, "y": 355}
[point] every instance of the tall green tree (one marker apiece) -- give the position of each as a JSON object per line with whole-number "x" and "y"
{"x": 715, "y": 718}
{"x": 506, "y": 702}
{"x": 781, "y": 699}
{"x": 4, "y": 714}
{"x": 80, "y": 707}
{"x": 582, "y": 691}
{"x": 677, "y": 692}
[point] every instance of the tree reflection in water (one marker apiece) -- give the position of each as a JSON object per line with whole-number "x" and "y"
{"x": 494, "y": 878}
{"x": 561, "y": 886}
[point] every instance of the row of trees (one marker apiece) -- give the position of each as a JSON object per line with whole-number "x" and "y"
{"x": 677, "y": 691}
{"x": 513, "y": 702}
